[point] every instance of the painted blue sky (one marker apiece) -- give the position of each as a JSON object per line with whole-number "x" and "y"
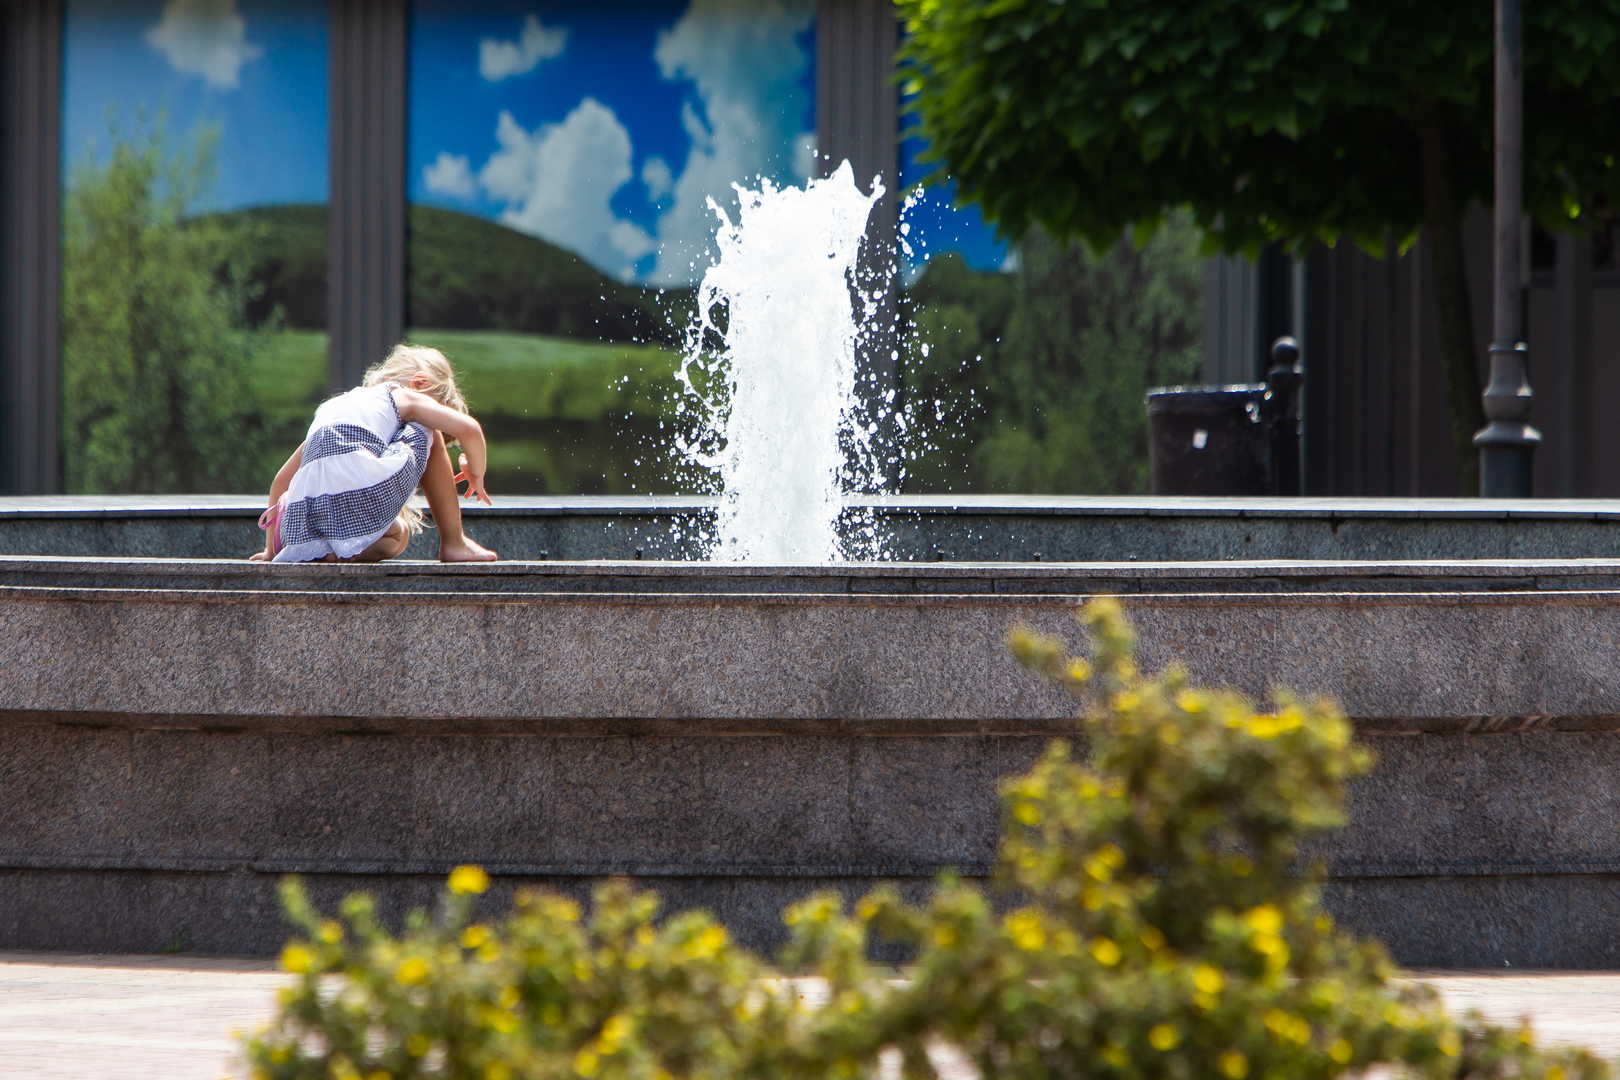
{"x": 605, "y": 127}
{"x": 602, "y": 127}
{"x": 932, "y": 224}
{"x": 254, "y": 68}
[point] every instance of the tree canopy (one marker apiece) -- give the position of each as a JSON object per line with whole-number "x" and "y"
{"x": 1271, "y": 121}
{"x": 1278, "y": 121}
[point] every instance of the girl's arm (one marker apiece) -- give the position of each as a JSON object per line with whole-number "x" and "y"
{"x": 418, "y": 407}
{"x": 278, "y": 486}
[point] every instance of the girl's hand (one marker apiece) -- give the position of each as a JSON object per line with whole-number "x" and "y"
{"x": 475, "y": 484}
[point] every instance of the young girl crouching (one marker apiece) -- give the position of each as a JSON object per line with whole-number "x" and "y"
{"x": 343, "y": 495}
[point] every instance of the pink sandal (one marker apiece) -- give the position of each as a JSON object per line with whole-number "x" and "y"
{"x": 270, "y": 522}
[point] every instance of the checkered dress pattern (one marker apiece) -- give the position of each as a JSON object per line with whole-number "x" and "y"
{"x": 360, "y": 465}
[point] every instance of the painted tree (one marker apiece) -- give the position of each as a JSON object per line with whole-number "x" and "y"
{"x": 1273, "y": 121}
{"x": 156, "y": 349}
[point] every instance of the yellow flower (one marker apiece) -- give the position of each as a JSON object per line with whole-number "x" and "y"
{"x": 1264, "y": 726}
{"x": 1105, "y": 952}
{"x": 1078, "y": 670}
{"x": 1152, "y": 937}
{"x": 1114, "y": 1055}
{"x": 944, "y": 936}
{"x": 418, "y": 1044}
{"x": 1234, "y": 1066}
{"x": 412, "y": 971}
{"x": 1208, "y": 979}
{"x": 1169, "y": 734}
{"x": 1163, "y": 1037}
{"x": 1340, "y": 1051}
{"x": 468, "y": 880}
{"x": 1026, "y": 931}
{"x": 497, "y": 1070}
{"x": 1273, "y": 948}
{"x": 1127, "y": 701}
{"x": 330, "y": 932}
{"x": 384, "y": 1074}
{"x": 1556, "y": 1072}
{"x": 297, "y": 959}
{"x": 1190, "y": 701}
{"x": 474, "y": 936}
{"x": 708, "y": 943}
{"x": 586, "y": 1062}
{"x": 1287, "y": 1026}
{"x": 499, "y": 1019}
{"x": 1264, "y": 920}
{"x": 1450, "y": 1044}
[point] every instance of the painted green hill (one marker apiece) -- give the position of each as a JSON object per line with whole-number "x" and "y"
{"x": 463, "y": 273}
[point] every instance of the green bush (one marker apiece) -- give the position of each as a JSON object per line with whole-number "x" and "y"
{"x": 1158, "y": 922}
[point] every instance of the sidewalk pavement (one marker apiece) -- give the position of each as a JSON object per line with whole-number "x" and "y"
{"x": 66, "y": 1017}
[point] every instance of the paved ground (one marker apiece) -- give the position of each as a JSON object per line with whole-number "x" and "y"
{"x": 136, "y": 1018}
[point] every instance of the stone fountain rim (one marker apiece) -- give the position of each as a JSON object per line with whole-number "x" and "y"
{"x": 1248, "y": 507}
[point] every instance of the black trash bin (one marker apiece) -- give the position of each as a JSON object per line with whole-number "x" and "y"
{"x": 1209, "y": 440}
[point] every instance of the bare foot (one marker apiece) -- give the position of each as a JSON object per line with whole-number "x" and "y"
{"x": 468, "y": 550}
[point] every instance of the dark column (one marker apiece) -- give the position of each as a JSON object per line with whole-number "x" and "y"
{"x": 30, "y": 245}
{"x": 857, "y": 119}
{"x": 365, "y": 290}
{"x": 1508, "y": 442}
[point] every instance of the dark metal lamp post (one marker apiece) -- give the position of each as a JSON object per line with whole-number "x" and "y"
{"x": 1507, "y": 443}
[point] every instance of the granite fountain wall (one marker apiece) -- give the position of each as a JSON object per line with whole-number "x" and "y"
{"x": 176, "y": 734}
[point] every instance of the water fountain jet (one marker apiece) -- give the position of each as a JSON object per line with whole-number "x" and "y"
{"x": 770, "y": 365}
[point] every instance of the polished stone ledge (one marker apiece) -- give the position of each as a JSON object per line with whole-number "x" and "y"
{"x": 916, "y": 528}
{"x": 1477, "y": 647}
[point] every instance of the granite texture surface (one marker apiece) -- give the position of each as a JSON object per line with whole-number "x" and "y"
{"x": 174, "y": 736}
{"x": 899, "y": 662}
{"x": 912, "y": 528}
{"x": 1463, "y": 850}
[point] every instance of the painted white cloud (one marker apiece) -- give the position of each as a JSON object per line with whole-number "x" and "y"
{"x": 657, "y": 179}
{"x": 558, "y": 182}
{"x": 205, "y": 38}
{"x": 745, "y": 61}
{"x": 499, "y": 59}
{"x": 450, "y": 175}
{"x": 804, "y": 156}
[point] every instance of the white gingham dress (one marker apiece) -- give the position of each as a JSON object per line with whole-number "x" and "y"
{"x": 361, "y": 464}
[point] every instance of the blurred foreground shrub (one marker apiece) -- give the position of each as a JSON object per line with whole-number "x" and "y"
{"x": 1158, "y": 923}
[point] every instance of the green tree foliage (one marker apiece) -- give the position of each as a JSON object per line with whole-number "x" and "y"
{"x": 155, "y": 349}
{"x": 1154, "y": 922}
{"x": 1287, "y": 121}
{"x": 1040, "y": 373}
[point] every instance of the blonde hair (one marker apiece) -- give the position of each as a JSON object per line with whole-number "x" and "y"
{"x": 407, "y": 362}
{"x": 403, "y": 365}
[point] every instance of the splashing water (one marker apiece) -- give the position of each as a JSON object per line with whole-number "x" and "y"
{"x": 770, "y": 367}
